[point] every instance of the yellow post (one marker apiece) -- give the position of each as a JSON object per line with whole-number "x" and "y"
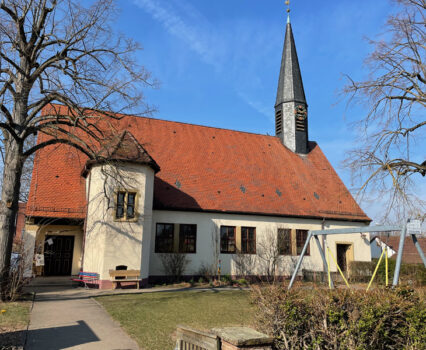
{"x": 375, "y": 270}
{"x": 387, "y": 267}
{"x": 343, "y": 276}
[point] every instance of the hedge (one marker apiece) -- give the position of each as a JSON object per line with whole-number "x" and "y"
{"x": 342, "y": 319}
{"x": 413, "y": 274}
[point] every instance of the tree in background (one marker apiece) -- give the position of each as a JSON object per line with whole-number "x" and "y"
{"x": 390, "y": 156}
{"x": 66, "y": 52}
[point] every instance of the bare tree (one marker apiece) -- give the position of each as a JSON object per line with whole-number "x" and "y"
{"x": 269, "y": 254}
{"x": 174, "y": 265}
{"x": 215, "y": 241}
{"x": 244, "y": 263}
{"x": 58, "y": 51}
{"x": 390, "y": 155}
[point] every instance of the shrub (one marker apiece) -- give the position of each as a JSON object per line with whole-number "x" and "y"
{"x": 361, "y": 271}
{"x": 174, "y": 265}
{"x": 16, "y": 279}
{"x": 226, "y": 279}
{"x": 206, "y": 272}
{"x": 342, "y": 319}
{"x": 242, "y": 282}
{"x": 410, "y": 273}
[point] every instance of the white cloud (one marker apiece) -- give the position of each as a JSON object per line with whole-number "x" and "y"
{"x": 176, "y": 24}
{"x": 258, "y": 106}
{"x": 227, "y": 47}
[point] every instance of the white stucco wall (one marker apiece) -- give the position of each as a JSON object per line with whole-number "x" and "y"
{"x": 110, "y": 242}
{"x": 266, "y": 227}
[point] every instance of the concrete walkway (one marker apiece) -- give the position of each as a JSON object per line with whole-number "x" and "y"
{"x": 67, "y": 317}
{"x": 63, "y": 321}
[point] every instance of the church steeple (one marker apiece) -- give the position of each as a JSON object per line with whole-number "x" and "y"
{"x": 291, "y": 123}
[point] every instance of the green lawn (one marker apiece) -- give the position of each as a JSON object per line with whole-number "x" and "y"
{"x": 151, "y": 318}
{"x": 14, "y": 318}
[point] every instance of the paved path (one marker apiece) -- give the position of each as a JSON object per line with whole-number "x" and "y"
{"x": 65, "y": 317}
{"x": 59, "y": 322}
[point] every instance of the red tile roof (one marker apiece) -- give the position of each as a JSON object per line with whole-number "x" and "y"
{"x": 204, "y": 169}
{"x": 122, "y": 148}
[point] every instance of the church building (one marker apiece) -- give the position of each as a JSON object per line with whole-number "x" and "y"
{"x": 212, "y": 194}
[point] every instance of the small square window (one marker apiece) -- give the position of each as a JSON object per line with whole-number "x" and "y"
{"x": 248, "y": 240}
{"x": 164, "y": 238}
{"x": 125, "y": 206}
{"x": 187, "y": 238}
{"x": 119, "y": 213}
{"x": 131, "y": 199}
{"x": 301, "y": 236}
{"x": 284, "y": 241}
{"x": 227, "y": 240}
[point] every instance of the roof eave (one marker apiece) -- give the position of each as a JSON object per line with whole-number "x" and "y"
{"x": 90, "y": 163}
{"x": 365, "y": 219}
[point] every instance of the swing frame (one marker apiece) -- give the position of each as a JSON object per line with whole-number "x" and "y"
{"x": 365, "y": 229}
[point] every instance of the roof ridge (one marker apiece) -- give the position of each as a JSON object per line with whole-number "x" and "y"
{"x": 177, "y": 122}
{"x": 199, "y": 125}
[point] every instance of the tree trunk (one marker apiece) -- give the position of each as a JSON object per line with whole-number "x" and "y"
{"x": 9, "y": 207}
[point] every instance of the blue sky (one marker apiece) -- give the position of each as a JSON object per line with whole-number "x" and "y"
{"x": 218, "y": 61}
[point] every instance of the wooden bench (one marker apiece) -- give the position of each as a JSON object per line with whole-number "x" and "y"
{"x": 120, "y": 276}
{"x": 188, "y": 338}
{"x": 87, "y": 278}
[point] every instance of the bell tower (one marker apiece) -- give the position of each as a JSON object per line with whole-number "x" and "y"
{"x": 291, "y": 109}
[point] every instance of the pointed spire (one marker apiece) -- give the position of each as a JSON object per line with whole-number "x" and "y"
{"x": 290, "y": 84}
{"x": 291, "y": 109}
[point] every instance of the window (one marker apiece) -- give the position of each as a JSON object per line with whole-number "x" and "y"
{"x": 125, "y": 205}
{"x": 278, "y": 122}
{"x": 164, "y": 238}
{"x": 248, "y": 240}
{"x": 284, "y": 241}
{"x": 301, "y": 236}
{"x": 301, "y": 115}
{"x": 130, "y": 212}
{"x": 187, "y": 238}
{"x": 119, "y": 213}
{"x": 227, "y": 239}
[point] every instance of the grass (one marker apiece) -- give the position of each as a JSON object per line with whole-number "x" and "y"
{"x": 14, "y": 318}
{"x": 151, "y": 318}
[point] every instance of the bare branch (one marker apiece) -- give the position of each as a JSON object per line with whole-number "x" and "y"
{"x": 395, "y": 95}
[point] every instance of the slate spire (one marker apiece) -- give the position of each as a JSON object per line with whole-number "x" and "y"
{"x": 290, "y": 84}
{"x": 291, "y": 124}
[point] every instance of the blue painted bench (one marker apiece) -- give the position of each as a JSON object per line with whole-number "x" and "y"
{"x": 87, "y": 278}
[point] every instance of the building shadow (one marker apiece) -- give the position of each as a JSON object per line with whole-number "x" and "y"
{"x": 168, "y": 196}
{"x": 56, "y": 338}
{"x": 12, "y": 340}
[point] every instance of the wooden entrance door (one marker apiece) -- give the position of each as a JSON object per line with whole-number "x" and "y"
{"x": 344, "y": 255}
{"x": 58, "y": 253}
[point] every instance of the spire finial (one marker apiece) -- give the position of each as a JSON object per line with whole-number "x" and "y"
{"x": 288, "y": 10}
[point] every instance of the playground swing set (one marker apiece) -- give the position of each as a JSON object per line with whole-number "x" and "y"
{"x": 412, "y": 226}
